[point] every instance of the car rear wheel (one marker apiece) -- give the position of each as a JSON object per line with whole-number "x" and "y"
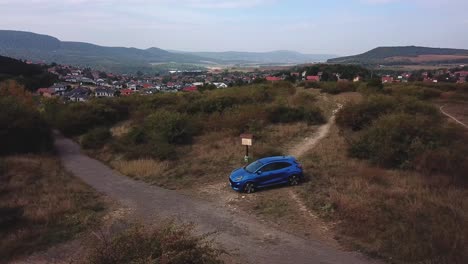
{"x": 294, "y": 180}
{"x": 249, "y": 187}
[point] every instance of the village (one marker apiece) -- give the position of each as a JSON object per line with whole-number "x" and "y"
{"x": 81, "y": 84}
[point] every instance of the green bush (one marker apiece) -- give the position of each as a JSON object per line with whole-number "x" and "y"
{"x": 396, "y": 140}
{"x": 172, "y": 127}
{"x": 423, "y": 93}
{"x": 77, "y": 118}
{"x": 22, "y": 129}
{"x": 170, "y": 244}
{"x": 284, "y": 114}
{"x": 338, "y": 87}
{"x": 359, "y": 115}
{"x": 96, "y": 138}
{"x": 308, "y": 85}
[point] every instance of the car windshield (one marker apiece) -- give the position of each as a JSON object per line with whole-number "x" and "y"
{"x": 254, "y": 166}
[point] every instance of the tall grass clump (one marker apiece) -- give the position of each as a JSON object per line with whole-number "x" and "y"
{"x": 167, "y": 244}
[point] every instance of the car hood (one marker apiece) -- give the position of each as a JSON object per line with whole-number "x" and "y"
{"x": 238, "y": 172}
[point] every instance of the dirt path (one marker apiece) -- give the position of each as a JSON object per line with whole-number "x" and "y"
{"x": 452, "y": 117}
{"x": 309, "y": 142}
{"x": 237, "y": 232}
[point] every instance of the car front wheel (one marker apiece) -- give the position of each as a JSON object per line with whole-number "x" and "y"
{"x": 249, "y": 187}
{"x": 294, "y": 180}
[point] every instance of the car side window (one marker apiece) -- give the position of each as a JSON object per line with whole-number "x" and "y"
{"x": 282, "y": 165}
{"x": 269, "y": 167}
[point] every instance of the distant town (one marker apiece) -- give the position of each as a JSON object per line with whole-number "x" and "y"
{"x": 80, "y": 84}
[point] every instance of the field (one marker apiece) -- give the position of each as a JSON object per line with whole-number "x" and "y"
{"x": 427, "y": 58}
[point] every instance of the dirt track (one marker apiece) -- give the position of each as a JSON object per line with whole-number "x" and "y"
{"x": 240, "y": 234}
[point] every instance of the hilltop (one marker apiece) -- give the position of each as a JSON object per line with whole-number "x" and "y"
{"x": 406, "y": 55}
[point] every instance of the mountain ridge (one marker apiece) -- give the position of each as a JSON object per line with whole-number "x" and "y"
{"x": 405, "y": 55}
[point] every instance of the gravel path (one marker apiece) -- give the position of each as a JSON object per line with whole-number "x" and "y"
{"x": 236, "y": 232}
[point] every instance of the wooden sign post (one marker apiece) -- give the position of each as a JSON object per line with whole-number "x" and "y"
{"x": 246, "y": 141}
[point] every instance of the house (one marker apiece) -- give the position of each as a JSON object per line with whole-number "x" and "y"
{"x": 313, "y": 78}
{"x": 126, "y": 92}
{"x": 147, "y": 86}
{"x": 387, "y": 79}
{"x": 59, "y": 88}
{"x": 220, "y": 85}
{"x": 79, "y": 94}
{"x": 190, "y": 89}
{"x": 463, "y": 74}
{"x": 198, "y": 84}
{"x": 104, "y": 92}
{"x": 273, "y": 78}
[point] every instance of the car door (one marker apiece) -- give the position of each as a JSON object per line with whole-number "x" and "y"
{"x": 282, "y": 172}
{"x": 266, "y": 174}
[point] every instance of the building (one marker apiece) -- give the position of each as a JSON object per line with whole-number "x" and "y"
{"x": 273, "y": 78}
{"x": 313, "y": 78}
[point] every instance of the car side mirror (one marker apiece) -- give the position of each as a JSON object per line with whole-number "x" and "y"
{"x": 259, "y": 172}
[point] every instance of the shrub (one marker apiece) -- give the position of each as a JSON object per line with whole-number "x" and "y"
{"x": 77, "y": 118}
{"x": 138, "y": 144}
{"x": 96, "y": 138}
{"x": 284, "y": 114}
{"x": 308, "y": 85}
{"x": 22, "y": 129}
{"x": 338, "y": 87}
{"x": 395, "y": 140}
{"x": 173, "y": 128}
{"x": 170, "y": 244}
{"x": 357, "y": 116}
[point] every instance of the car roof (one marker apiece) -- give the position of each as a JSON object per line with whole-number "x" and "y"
{"x": 277, "y": 158}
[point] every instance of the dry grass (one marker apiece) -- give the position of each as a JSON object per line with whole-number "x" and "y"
{"x": 397, "y": 215}
{"x": 121, "y": 128}
{"x": 141, "y": 168}
{"x": 41, "y": 205}
{"x": 211, "y": 157}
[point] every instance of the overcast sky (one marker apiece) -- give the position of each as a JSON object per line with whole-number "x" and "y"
{"x": 328, "y": 26}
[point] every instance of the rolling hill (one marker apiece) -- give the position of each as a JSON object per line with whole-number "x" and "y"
{"x": 36, "y": 47}
{"x": 408, "y": 55}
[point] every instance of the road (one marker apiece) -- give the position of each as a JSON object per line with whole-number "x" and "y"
{"x": 252, "y": 240}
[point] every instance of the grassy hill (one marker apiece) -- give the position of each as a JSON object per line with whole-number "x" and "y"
{"x": 406, "y": 56}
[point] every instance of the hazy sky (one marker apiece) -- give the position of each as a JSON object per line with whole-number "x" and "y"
{"x": 311, "y": 26}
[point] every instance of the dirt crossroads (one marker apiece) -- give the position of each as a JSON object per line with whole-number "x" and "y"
{"x": 245, "y": 237}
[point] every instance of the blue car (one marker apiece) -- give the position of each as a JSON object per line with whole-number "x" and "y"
{"x": 266, "y": 172}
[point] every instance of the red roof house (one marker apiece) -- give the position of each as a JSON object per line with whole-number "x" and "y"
{"x": 147, "y": 85}
{"x": 273, "y": 78}
{"x": 126, "y": 92}
{"x": 387, "y": 79}
{"x": 190, "y": 89}
{"x": 313, "y": 78}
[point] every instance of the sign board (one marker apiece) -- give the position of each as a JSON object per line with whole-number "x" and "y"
{"x": 246, "y": 139}
{"x": 246, "y": 142}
